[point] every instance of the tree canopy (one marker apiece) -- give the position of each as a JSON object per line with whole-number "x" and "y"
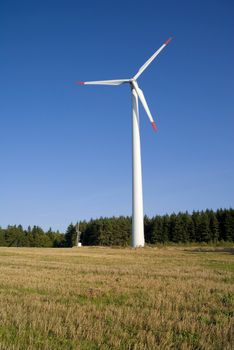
{"x": 200, "y": 226}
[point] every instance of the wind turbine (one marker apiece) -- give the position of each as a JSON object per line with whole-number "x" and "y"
{"x": 138, "y": 239}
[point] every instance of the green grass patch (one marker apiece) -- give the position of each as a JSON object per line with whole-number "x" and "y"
{"x": 220, "y": 265}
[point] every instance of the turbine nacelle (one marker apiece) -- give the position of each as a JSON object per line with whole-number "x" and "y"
{"x": 133, "y": 82}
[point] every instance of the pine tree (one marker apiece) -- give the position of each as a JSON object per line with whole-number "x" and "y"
{"x": 228, "y": 225}
{"x": 172, "y": 226}
{"x": 156, "y": 230}
{"x": 203, "y": 228}
{"x": 191, "y": 230}
{"x": 148, "y": 229}
{"x": 213, "y": 226}
{"x": 70, "y": 236}
{"x": 179, "y": 229}
{"x": 2, "y": 238}
{"x": 165, "y": 228}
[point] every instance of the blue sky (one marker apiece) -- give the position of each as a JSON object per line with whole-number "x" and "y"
{"x": 65, "y": 150}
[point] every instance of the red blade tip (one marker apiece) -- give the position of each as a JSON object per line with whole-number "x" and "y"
{"x": 154, "y": 126}
{"x": 168, "y": 40}
{"x": 80, "y": 82}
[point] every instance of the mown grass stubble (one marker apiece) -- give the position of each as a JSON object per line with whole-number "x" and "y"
{"x": 103, "y": 298}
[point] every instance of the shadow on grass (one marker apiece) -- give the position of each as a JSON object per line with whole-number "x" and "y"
{"x": 228, "y": 250}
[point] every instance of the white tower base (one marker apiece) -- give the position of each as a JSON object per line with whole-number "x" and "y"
{"x": 138, "y": 239}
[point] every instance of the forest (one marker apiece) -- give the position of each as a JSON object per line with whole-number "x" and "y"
{"x": 198, "y": 227}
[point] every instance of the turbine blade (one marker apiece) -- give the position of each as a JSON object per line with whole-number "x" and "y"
{"x": 104, "y": 82}
{"x": 147, "y": 63}
{"x": 144, "y": 104}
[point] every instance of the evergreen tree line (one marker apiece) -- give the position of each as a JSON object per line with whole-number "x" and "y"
{"x": 16, "y": 236}
{"x": 200, "y": 226}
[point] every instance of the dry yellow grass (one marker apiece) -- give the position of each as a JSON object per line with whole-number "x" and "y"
{"x": 103, "y": 298}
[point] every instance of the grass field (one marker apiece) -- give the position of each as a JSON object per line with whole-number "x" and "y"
{"x": 103, "y": 298}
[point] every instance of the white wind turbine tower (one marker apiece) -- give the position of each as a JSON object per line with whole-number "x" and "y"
{"x": 138, "y": 239}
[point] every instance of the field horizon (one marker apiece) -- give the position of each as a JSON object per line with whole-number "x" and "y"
{"x": 117, "y": 298}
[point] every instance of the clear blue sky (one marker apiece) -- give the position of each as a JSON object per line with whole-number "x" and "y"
{"x": 65, "y": 150}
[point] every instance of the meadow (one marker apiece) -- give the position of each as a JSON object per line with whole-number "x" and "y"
{"x": 117, "y": 298}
